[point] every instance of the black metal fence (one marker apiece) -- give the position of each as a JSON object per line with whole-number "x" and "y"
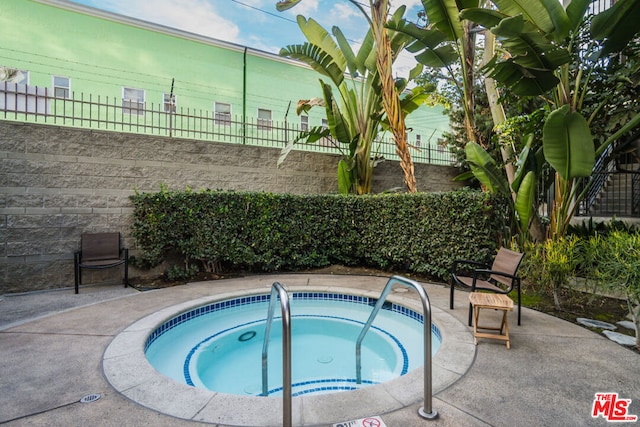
{"x": 40, "y": 105}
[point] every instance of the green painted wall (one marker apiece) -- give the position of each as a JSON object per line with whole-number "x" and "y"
{"x": 102, "y": 55}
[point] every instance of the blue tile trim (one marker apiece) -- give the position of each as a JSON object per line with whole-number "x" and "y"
{"x": 330, "y": 384}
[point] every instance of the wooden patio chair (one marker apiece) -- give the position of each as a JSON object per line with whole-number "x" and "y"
{"x": 99, "y": 251}
{"x": 500, "y": 278}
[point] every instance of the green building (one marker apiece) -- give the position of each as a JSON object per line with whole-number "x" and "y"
{"x": 85, "y": 67}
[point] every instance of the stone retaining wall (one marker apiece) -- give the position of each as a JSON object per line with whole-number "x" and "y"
{"x": 58, "y": 182}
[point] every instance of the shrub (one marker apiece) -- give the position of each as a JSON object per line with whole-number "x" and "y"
{"x": 618, "y": 268}
{"x": 549, "y": 265}
{"x": 222, "y": 230}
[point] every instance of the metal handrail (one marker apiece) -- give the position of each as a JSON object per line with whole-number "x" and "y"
{"x": 286, "y": 350}
{"x": 426, "y": 410}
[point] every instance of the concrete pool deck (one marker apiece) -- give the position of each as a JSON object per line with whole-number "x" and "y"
{"x": 52, "y": 346}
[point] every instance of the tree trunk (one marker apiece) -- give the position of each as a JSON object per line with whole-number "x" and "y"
{"x": 390, "y": 96}
{"x": 497, "y": 112}
{"x": 468, "y": 58}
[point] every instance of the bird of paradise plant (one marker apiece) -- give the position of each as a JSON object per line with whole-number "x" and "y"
{"x": 370, "y": 102}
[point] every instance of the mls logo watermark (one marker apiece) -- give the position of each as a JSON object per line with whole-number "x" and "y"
{"x": 612, "y": 408}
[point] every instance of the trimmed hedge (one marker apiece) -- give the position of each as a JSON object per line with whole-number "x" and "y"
{"x": 220, "y": 230}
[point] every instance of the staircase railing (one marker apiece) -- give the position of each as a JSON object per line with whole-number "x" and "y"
{"x": 601, "y": 170}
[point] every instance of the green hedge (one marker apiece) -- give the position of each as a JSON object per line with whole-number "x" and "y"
{"x": 221, "y": 231}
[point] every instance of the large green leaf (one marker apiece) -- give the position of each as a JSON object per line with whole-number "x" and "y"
{"x": 525, "y": 198}
{"x": 338, "y": 126}
{"x": 445, "y": 16}
{"x": 568, "y": 144}
{"x": 467, "y": 4}
{"x": 344, "y": 177}
{"x": 576, "y": 11}
{"x": 422, "y": 37}
{"x": 364, "y": 53}
{"x": 439, "y": 57}
{"x": 317, "y": 59}
{"x": 485, "y": 170}
{"x": 488, "y": 18}
{"x": 318, "y": 36}
{"x": 528, "y": 47}
{"x": 523, "y": 163}
{"x": 617, "y": 25}
{"x": 345, "y": 47}
{"x": 413, "y": 100}
{"x": 561, "y": 22}
{"x": 542, "y": 13}
{"x": 523, "y": 81}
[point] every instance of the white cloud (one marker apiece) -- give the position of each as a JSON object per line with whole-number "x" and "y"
{"x": 344, "y": 11}
{"x": 196, "y": 16}
{"x": 306, "y": 8}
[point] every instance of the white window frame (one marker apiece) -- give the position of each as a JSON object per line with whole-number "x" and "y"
{"x": 325, "y": 142}
{"x": 169, "y": 105}
{"x": 57, "y": 86}
{"x": 304, "y": 123}
{"x": 264, "y": 123}
{"x": 222, "y": 113}
{"x": 418, "y": 140}
{"x": 133, "y": 105}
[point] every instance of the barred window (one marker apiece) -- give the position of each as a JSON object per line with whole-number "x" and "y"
{"x": 61, "y": 87}
{"x": 169, "y": 102}
{"x": 133, "y": 101}
{"x": 264, "y": 119}
{"x": 222, "y": 113}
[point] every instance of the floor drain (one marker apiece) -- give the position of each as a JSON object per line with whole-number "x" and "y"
{"x": 90, "y": 398}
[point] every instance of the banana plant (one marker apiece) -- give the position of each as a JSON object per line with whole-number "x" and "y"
{"x": 446, "y": 43}
{"x": 540, "y": 39}
{"x": 372, "y": 66}
{"x": 524, "y": 186}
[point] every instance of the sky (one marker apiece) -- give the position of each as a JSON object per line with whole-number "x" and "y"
{"x": 254, "y": 23}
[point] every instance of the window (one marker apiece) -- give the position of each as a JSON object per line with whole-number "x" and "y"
{"x": 133, "y": 101}
{"x": 418, "y": 140}
{"x": 61, "y": 87}
{"x": 304, "y": 123}
{"x": 169, "y": 103}
{"x": 17, "y": 96}
{"x": 325, "y": 141}
{"x": 222, "y": 113}
{"x": 13, "y": 75}
{"x": 264, "y": 119}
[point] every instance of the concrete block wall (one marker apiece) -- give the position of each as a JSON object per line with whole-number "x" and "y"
{"x": 58, "y": 182}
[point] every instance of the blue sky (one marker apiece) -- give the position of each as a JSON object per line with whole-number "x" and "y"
{"x": 253, "y": 23}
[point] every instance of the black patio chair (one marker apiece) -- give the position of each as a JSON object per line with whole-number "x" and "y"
{"x": 99, "y": 251}
{"x": 500, "y": 278}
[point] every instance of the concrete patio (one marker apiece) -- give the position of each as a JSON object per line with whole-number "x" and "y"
{"x": 52, "y": 346}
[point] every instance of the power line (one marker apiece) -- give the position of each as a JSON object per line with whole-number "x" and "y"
{"x": 264, "y": 11}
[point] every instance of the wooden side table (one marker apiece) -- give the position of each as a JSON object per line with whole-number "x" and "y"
{"x": 480, "y": 300}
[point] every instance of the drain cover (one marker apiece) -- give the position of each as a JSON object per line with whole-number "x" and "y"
{"x": 90, "y": 398}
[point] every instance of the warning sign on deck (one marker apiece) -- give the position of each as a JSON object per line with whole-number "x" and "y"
{"x": 364, "y": 422}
